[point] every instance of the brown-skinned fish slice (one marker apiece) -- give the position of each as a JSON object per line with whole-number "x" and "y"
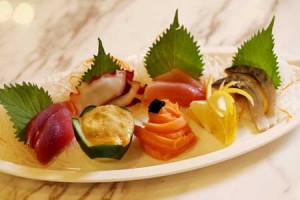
{"x": 264, "y": 81}
{"x": 252, "y": 87}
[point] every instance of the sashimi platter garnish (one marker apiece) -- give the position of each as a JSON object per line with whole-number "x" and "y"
{"x": 171, "y": 103}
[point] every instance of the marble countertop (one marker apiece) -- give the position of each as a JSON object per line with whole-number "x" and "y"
{"x": 43, "y": 37}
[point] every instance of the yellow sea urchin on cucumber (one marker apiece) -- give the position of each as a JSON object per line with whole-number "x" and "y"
{"x": 104, "y": 131}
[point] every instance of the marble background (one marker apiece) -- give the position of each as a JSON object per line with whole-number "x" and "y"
{"x": 52, "y": 36}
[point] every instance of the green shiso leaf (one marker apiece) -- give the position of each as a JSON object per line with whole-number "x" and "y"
{"x": 22, "y": 103}
{"x": 103, "y": 63}
{"x": 259, "y": 52}
{"x": 176, "y": 48}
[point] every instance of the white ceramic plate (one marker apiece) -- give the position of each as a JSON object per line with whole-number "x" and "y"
{"x": 242, "y": 145}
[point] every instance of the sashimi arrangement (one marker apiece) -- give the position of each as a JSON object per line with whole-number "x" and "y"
{"x": 98, "y": 112}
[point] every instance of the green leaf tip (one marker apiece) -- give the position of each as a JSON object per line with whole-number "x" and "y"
{"x": 103, "y": 63}
{"x": 271, "y": 25}
{"x": 175, "y": 48}
{"x": 22, "y": 103}
{"x": 258, "y": 52}
{"x": 176, "y": 21}
{"x": 101, "y": 50}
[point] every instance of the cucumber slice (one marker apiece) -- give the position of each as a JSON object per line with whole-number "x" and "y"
{"x": 104, "y": 131}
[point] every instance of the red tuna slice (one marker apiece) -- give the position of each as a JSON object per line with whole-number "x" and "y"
{"x": 56, "y": 134}
{"x": 180, "y": 93}
{"x": 37, "y": 123}
{"x": 178, "y": 76}
{"x": 50, "y": 131}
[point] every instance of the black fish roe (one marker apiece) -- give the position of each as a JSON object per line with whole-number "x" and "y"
{"x": 156, "y": 105}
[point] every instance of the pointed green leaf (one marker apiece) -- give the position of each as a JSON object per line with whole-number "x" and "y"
{"x": 176, "y": 48}
{"x": 259, "y": 52}
{"x": 22, "y": 103}
{"x": 103, "y": 63}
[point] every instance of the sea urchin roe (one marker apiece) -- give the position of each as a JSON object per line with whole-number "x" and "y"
{"x": 107, "y": 125}
{"x": 104, "y": 131}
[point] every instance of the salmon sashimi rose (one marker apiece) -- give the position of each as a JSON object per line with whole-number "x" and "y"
{"x": 166, "y": 134}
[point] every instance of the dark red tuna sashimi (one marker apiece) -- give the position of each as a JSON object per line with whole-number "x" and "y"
{"x": 51, "y": 130}
{"x": 54, "y": 136}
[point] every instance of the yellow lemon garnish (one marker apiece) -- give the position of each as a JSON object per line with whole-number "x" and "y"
{"x": 217, "y": 113}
